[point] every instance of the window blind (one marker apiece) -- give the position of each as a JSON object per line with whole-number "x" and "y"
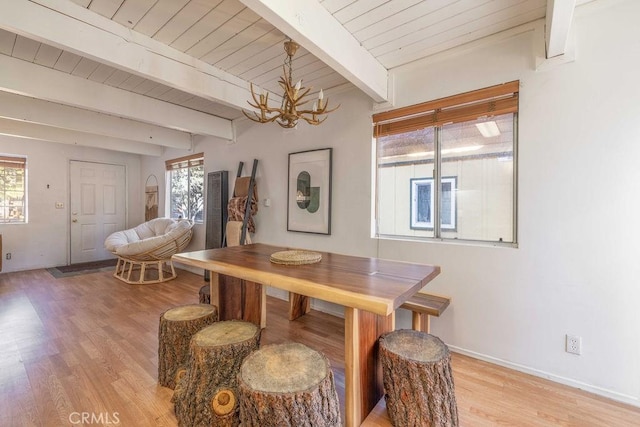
{"x": 490, "y": 101}
{"x": 185, "y": 162}
{"x": 13, "y": 162}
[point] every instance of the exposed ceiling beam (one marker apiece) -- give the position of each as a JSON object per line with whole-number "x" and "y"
{"x": 25, "y": 78}
{"x": 37, "y": 111}
{"x": 68, "y": 26}
{"x": 558, "y": 24}
{"x": 65, "y": 136}
{"x": 311, "y": 25}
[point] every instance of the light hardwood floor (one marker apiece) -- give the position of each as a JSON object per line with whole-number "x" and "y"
{"x": 88, "y": 344}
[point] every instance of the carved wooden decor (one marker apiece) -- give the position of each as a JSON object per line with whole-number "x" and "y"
{"x": 177, "y": 326}
{"x": 288, "y": 385}
{"x": 418, "y": 381}
{"x": 207, "y": 394}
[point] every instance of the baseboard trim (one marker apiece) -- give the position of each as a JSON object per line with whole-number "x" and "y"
{"x": 603, "y": 392}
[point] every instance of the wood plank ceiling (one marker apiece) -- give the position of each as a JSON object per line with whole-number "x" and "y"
{"x": 231, "y": 37}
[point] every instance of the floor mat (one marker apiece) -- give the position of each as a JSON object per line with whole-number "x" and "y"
{"x": 82, "y": 268}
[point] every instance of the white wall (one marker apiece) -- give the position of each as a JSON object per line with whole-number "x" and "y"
{"x": 347, "y": 131}
{"x": 575, "y": 270}
{"x": 44, "y": 241}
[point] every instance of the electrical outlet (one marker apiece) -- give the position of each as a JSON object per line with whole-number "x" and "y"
{"x": 8, "y": 255}
{"x": 573, "y": 344}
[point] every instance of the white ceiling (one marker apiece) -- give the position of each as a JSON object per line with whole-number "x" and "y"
{"x": 193, "y": 59}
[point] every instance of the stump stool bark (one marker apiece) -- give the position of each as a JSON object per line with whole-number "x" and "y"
{"x": 418, "y": 381}
{"x": 207, "y": 394}
{"x": 204, "y": 295}
{"x": 287, "y": 385}
{"x": 177, "y": 326}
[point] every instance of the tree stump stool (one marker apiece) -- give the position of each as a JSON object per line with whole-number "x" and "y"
{"x": 204, "y": 295}
{"x": 287, "y": 385}
{"x": 417, "y": 377}
{"x": 207, "y": 394}
{"x": 177, "y": 326}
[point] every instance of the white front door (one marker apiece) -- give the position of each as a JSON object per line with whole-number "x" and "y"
{"x": 97, "y": 207}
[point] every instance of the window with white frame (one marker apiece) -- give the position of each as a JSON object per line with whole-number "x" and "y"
{"x": 185, "y": 181}
{"x": 422, "y": 197}
{"x": 446, "y": 169}
{"x": 13, "y": 189}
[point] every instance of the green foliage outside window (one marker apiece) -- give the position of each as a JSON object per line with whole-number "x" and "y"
{"x": 12, "y": 189}
{"x": 186, "y": 196}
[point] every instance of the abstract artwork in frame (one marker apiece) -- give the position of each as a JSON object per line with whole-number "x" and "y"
{"x": 309, "y": 194}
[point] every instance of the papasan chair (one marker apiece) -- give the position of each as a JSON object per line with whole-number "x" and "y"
{"x": 144, "y": 252}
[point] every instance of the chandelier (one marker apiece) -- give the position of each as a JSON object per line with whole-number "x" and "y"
{"x": 288, "y": 114}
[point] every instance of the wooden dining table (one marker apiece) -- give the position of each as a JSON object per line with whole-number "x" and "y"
{"x": 369, "y": 289}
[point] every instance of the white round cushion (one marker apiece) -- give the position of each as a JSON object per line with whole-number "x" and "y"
{"x": 146, "y": 237}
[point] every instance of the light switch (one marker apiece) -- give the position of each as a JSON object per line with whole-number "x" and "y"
{"x": 267, "y": 202}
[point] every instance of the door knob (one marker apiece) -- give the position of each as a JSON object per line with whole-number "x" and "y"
{"x": 74, "y": 220}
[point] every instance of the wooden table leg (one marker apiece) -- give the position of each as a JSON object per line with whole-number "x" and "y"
{"x": 214, "y": 290}
{"x": 299, "y": 305}
{"x": 255, "y": 303}
{"x": 363, "y": 372}
{"x": 238, "y": 299}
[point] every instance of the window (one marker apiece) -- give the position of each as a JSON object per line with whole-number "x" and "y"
{"x": 185, "y": 182}
{"x": 13, "y": 189}
{"x": 445, "y": 169}
{"x": 422, "y": 203}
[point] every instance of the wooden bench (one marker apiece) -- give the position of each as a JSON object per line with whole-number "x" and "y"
{"x": 424, "y": 305}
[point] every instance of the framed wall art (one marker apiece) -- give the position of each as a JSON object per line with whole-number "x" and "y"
{"x": 309, "y": 192}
